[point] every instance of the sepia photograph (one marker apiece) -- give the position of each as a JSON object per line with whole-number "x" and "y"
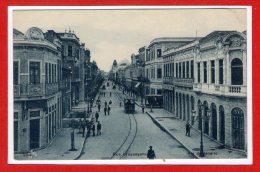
{"x": 131, "y": 85}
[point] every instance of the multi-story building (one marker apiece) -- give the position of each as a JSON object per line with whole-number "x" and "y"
{"x": 154, "y": 66}
{"x": 72, "y": 65}
{"x": 178, "y": 79}
{"x": 208, "y": 76}
{"x": 37, "y": 98}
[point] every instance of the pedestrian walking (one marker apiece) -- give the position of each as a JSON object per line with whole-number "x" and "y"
{"x": 110, "y": 102}
{"x": 98, "y": 128}
{"x": 188, "y": 126}
{"x": 108, "y": 110}
{"x": 105, "y": 103}
{"x": 105, "y": 110}
{"x": 151, "y": 153}
{"x": 96, "y": 116}
{"x": 93, "y": 129}
{"x": 110, "y": 93}
{"x": 143, "y": 108}
{"x": 99, "y": 106}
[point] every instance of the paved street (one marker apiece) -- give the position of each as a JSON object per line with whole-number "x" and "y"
{"x": 118, "y": 140}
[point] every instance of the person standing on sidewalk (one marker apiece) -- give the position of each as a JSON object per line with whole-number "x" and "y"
{"x": 96, "y": 116}
{"x": 110, "y": 94}
{"x": 151, "y": 153}
{"x": 105, "y": 110}
{"x": 98, "y": 129}
{"x": 188, "y": 126}
{"x": 93, "y": 129}
{"x": 108, "y": 110}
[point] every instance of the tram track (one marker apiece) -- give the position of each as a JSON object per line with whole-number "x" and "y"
{"x": 125, "y": 146}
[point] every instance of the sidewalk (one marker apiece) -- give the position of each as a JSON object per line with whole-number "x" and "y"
{"x": 176, "y": 128}
{"x": 58, "y": 148}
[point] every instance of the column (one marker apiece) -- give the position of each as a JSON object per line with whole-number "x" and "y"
{"x": 190, "y": 68}
{"x": 195, "y": 72}
{"x": 227, "y": 70}
{"x": 217, "y": 71}
{"x": 244, "y": 56}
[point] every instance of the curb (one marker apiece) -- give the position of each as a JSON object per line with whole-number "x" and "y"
{"x": 82, "y": 147}
{"x": 168, "y": 132}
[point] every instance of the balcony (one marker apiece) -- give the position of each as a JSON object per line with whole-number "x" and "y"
{"x": 185, "y": 82}
{"x": 35, "y": 90}
{"x": 221, "y": 90}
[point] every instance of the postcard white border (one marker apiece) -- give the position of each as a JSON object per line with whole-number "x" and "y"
{"x": 246, "y": 161}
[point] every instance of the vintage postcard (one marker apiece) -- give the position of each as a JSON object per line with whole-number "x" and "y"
{"x": 130, "y": 85}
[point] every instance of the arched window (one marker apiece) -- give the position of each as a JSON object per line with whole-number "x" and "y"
{"x": 199, "y": 114}
{"x": 206, "y": 122}
{"x": 238, "y": 128}
{"x": 222, "y": 125}
{"x": 236, "y": 72}
{"x": 214, "y": 121}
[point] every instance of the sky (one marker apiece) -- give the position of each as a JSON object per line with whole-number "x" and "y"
{"x": 116, "y": 34}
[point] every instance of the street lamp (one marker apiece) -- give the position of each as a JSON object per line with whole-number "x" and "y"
{"x": 201, "y": 118}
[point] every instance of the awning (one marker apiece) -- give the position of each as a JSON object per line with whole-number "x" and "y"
{"x": 137, "y": 85}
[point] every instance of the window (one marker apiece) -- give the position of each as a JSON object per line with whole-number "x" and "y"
{"x": 192, "y": 69}
{"x": 198, "y": 72}
{"x": 159, "y": 53}
{"x": 16, "y": 73}
{"x": 179, "y": 70}
{"x": 187, "y": 69}
{"x": 236, "y": 72}
{"x": 164, "y": 70}
{"x": 55, "y": 73}
{"x": 46, "y": 73}
{"x": 172, "y": 69}
{"x": 183, "y": 69}
{"x": 205, "y": 71}
{"x": 159, "y": 91}
{"x": 50, "y": 77}
{"x": 34, "y": 72}
{"x": 212, "y": 62}
{"x": 69, "y": 50}
{"x": 176, "y": 69}
{"x": 52, "y": 72}
{"x": 159, "y": 73}
{"x": 221, "y": 71}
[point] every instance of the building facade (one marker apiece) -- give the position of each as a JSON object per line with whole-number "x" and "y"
{"x": 73, "y": 65}
{"x": 208, "y": 76}
{"x": 154, "y": 67}
{"x": 37, "y": 97}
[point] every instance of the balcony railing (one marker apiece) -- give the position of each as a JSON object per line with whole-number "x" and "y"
{"x": 178, "y": 81}
{"x": 35, "y": 90}
{"x": 222, "y": 90}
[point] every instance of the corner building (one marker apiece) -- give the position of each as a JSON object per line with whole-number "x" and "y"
{"x": 212, "y": 72}
{"x": 37, "y": 99}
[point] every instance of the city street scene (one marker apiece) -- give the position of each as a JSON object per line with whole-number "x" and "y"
{"x": 139, "y": 84}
